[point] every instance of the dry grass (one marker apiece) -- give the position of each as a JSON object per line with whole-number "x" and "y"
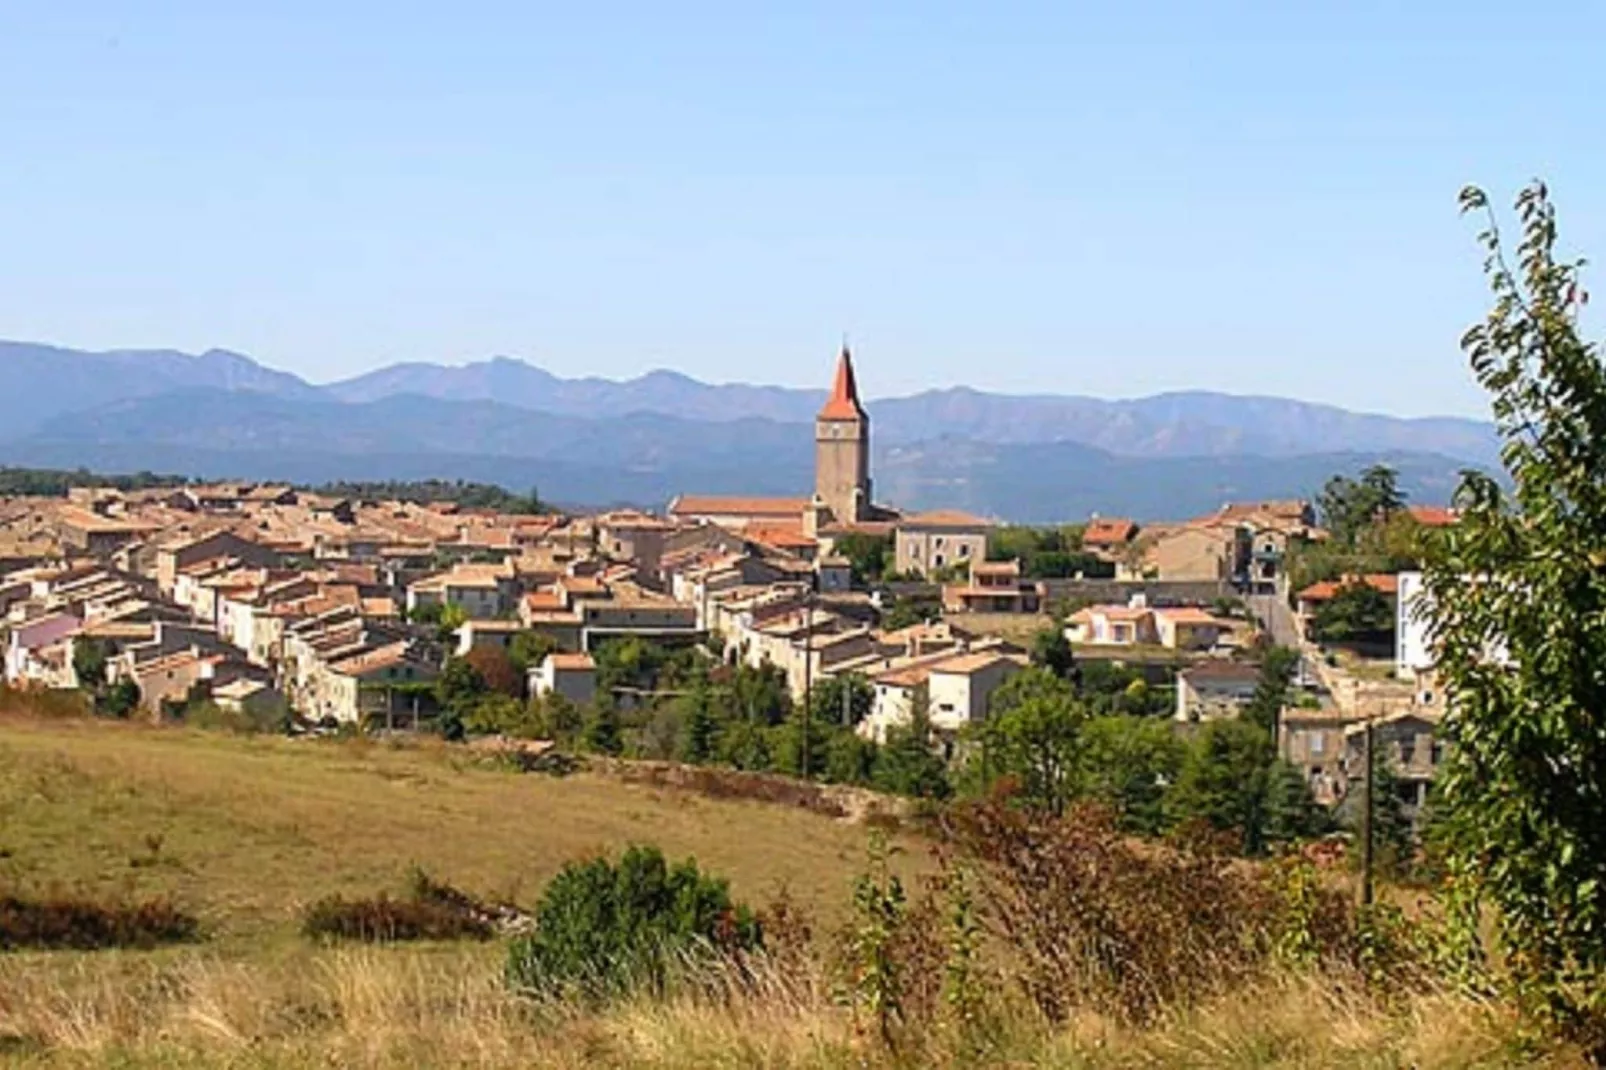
{"x": 448, "y": 1008}
{"x": 248, "y": 830}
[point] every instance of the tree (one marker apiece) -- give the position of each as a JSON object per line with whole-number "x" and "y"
{"x": 849, "y": 758}
{"x": 699, "y": 726}
{"x": 120, "y": 700}
{"x": 529, "y": 649}
{"x": 1223, "y": 781}
{"x": 842, "y": 700}
{"x": 1128, "y": 763}
{"x": 906, "y": 763}
{"x": 789, "y": 751}
{"x": 602, "y": 734}
{"x": 89, "y": 663}
{"x": 1517, "y": 613}
{"x": 1357, "y": 610}
{"x": 1350, "y": 507}
{"x": 496, "y": 670}
{"x": 1291, "y": 811}
{"x": 452, "y": 617}
{"x": 909, "y": 611}
{"x": 1271, "y": 691}
{"x": 1034, "y": 735}
{"x": 1052, "y": 651}
{"x": 459, "y": 687}
{"x": 868, "y": 555}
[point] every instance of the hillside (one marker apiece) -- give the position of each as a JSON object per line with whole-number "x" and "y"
{"x": 244, "y": 831}
{"x": 250, "y": 830}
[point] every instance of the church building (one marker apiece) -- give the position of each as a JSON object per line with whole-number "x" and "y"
{"x": 841, "y": 501}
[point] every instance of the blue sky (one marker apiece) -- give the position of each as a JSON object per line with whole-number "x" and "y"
{"x": 1113, "y": 199}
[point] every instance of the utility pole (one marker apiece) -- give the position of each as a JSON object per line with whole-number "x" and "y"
{"x": 1366, "y": 824}
{"x": 808, "y": 674}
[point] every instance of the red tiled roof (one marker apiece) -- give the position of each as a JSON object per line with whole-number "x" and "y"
{"x": 1107, "y": 531}
{"x": 1433, "y": 516}
{"x": 843, "y": 403}
{"x": 780, "y": 536}
{"x": 712, "y": 505}
{"x": 1321, "y": 592}
{"x": 945, "y": 518}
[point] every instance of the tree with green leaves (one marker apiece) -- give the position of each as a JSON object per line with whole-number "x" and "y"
{"x": 1128, "y": 764}
{"x": 459, "y": 687}
{"x": 1356, "y": 611}
{"x": 907, "y": 763}
{"x": 1393, "y": 841}
{"x": 867, "y": 554}
{"x": 1517, "y": 613}
{"x": 1052, "y": 651}
{"x": 528, "y": 649}
{"x": 843, "y": 700}
{"x": 1291, "y": 812}
{"x": 89, "y": 663}
{"x": 1033, "y": 734}
{"x": 1223, "y": 781}
{"x": 602, "y": 733}
{"x": 1271, "y": 690}
{"x": 1350, "y": 507}
{"x": 699, "y": 726}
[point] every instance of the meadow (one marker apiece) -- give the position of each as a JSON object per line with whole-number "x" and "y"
{"x": 246, "y": 831}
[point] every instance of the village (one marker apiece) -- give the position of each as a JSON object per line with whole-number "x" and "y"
{"x": 327, "y": 613}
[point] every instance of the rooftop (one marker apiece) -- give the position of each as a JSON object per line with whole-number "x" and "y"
{"x": 843, "y": 404}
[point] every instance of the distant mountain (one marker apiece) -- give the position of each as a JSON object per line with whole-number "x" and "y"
{"x": 39, "y": 382}
{"x": 1167, "y": 425}
{"x": 646, "y": 458}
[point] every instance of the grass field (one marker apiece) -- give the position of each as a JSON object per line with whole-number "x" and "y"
{"x": 244, "y": 831}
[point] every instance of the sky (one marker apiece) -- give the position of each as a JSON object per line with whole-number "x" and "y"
{"x": 1106, "y": 199}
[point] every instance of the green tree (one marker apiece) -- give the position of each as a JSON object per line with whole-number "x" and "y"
{"x": 907, "y": 764}
{"x": 1052, "y": 651}
{"x": 1128, "y": 764}
{"x": 459, "y": 687}
{"x": 1350, "y": 507}
{"x": 452, "y": 617}
{"x": 1271, "y": 691}
{"x": 120, "y": 699}
{"x": 1223, "y": 781}
{"x": 699, "y": 726}
{"x": 842, "y": 700}
{"x": 1393, "y": 842}
{"x": 868, "y": 555}
{"x": 1516, "y": 612}
{"x": 602, "y": 733}
{"x": 89, "y": 663}
{"x": 1291, "y": 811}
{"x": 529, "y": 649}
{"x": 849, "y": 758}
{"x": 1356, "y": 611}
{"x": 1034, "y": 734}
{"x": 789, "y": 751}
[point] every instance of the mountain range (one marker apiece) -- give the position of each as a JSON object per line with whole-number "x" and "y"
{"x": 598, "y": 441}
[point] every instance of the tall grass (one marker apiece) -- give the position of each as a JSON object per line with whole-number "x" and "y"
{"x": 410, "y": 1007}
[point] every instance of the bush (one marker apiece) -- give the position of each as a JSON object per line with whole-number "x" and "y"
{"x": 604, "y": 929}
{"x": 432, "y": 911}
{"x": 85, "y": 925}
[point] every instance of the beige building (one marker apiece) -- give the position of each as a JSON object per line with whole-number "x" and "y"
{"x": 943, "y": 539}
{"x": 1215, "y": 690}
{"x": 1195, "y": 553}
{"x": 574, "y": 676}
{"x": 842, "y": 450}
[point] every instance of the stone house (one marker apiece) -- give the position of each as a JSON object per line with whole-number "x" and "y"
{"x": 927, "y": 542}
{"x": 574, "y": 676}
{"x": 1215, "y": 689}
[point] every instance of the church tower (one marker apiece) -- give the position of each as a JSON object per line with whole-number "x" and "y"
{"x": 842, "y": 449}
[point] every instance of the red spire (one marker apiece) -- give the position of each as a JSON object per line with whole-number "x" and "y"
{"x": 844, "y": 401}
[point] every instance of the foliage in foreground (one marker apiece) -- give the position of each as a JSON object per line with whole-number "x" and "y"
{"x": 604, "y": 929}
{"x": 1517, "y": 613}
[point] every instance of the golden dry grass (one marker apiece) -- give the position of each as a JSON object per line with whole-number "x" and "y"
{"x": 246, "y": 830}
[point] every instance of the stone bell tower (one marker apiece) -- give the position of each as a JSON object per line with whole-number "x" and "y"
{"x": 842, "y": 449}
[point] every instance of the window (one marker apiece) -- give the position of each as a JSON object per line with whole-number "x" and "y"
{"x": 1317, "y": 742}
{"x": 937, "y": 560}
{"x": 964, "y": 549}
{"x": 939, "y": 542}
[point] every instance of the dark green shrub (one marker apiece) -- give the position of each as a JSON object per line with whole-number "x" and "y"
{"x": 84, "y": 924}
{"x": 605, "y": 928}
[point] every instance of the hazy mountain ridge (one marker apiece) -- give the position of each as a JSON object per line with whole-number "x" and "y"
{"x": 647, "y": 458}
{"x": 41, "y": 382}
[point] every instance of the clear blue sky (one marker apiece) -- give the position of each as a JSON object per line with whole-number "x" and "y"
{"x": 1112, "y": 199}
